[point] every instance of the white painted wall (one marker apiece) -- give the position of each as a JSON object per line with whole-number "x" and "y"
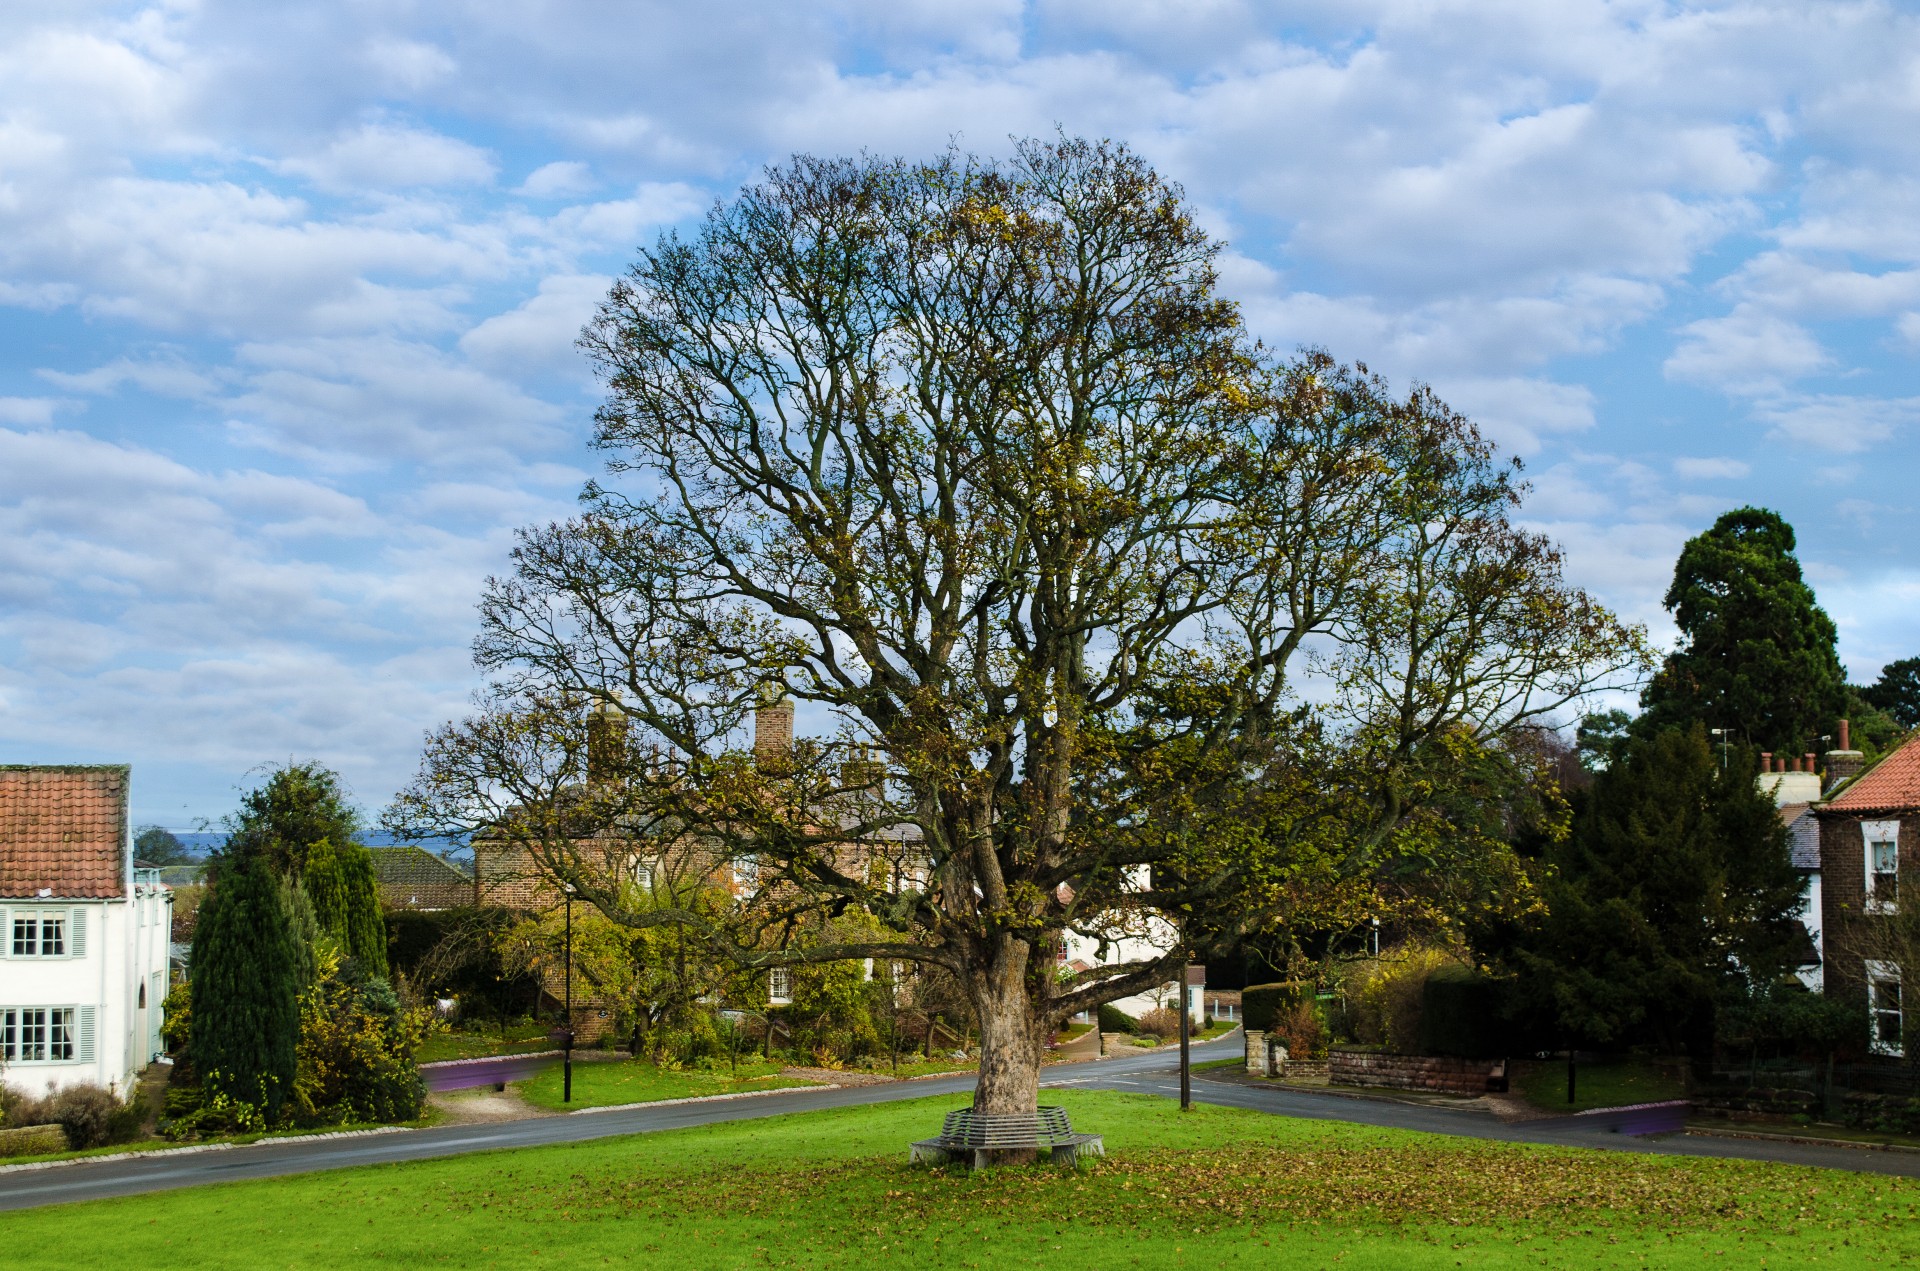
{"x": 126, "y": 944}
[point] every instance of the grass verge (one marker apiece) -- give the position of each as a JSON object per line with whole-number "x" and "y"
{"x": 602, "y": 1085}
{"x": 1214, "y": 1188}
{"x": 516, "y": 1041}
{"x": 1603, "y": 1083}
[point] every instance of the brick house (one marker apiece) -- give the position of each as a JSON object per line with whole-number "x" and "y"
{"x": 1869, "y": 843}
{"x": 83, "y": 933}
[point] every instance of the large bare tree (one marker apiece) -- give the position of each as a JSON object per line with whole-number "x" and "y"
{"x": 972, "y": 459}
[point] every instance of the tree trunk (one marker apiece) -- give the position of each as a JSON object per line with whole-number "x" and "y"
{"x": 1010, "y": 1038}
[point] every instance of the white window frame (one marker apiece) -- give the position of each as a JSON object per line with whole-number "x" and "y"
{"x": 779, "y": 986}
{"x": 1875, "y": 835}
{"x": 77, "y": 1023}
{"x": 1879, "y": 973}
{"x": 73, "y": 932}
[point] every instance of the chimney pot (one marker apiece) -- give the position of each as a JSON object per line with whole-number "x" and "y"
{"x": 1766, "y": 761}
{"x": 1808, "y": 760}
{"x": 1843, "y": 736}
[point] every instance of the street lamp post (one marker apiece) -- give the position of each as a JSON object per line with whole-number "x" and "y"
{"x": 566, "y": 1061}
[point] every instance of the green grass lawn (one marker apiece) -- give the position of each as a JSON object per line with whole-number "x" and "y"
{"x": 1211, "y": 1189}
{"x": 606, "y": 1084}
{"x": 481, "y": 1045}
{"x": 1608, "y": 1083}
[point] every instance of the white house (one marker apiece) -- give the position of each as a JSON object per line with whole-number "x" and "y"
{"x": 83, "y": 935}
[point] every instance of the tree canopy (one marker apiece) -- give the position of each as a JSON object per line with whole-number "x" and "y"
{"x": 246, "y": 981}
{"x": 1897, "y": 691}
{"x": 1757, "y": 653}
{"x": 156, "y": 846}
{"x": 972, "y": 460}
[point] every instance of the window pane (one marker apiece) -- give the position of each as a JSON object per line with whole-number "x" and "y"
{"x": 53, "y": 937}
{"x": 1885, "y": 858}
{"x": 26, "y": 937}
{"x": 33, "y": 1034}
{"x": 60, "y": 1034}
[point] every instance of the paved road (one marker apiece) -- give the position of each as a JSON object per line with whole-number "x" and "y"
{"x": 1148, "y": 1072}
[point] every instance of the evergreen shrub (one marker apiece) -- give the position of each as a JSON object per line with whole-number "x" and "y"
{"x": 1460, "y": 1015}
{"x": 1262, "y": 1004}
{"x": 1115, "y": 1020}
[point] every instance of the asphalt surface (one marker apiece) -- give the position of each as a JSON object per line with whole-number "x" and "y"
{"x": 1149, "y": 1072}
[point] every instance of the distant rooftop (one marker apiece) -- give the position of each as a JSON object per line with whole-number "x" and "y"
{"x": 1891, "y": 785}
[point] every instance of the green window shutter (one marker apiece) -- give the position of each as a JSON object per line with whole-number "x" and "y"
{"x": 6, "y": 933}
{"x": 85, "y": 1016}
{"x": 77, "y": 934}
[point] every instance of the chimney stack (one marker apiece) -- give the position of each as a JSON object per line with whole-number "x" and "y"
{"x": 606, "y": 744}
{"x": 773, "y": 729}
{"x": 1844, "y": 764}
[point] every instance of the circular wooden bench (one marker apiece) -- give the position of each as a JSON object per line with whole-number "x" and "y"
{"x": 971, "y": 1137}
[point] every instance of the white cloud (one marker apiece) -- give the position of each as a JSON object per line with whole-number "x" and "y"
{"x": 384, "y": 156}
{"x": 27, "y": 410}
{"x": 1747, "y": 353}
{"x": 1711, "y": 469}
{"x": 556, "y": 180}
{"x": 1839, "y": 423}
{"x": 540, "y": 332}
{"x": 1519, "y": 413}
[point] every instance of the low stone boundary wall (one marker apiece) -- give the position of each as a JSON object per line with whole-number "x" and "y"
{"x": 32, "y": 1140}
{"x": 1755, "y": 1103}
{"x": 1413, "y": 1072}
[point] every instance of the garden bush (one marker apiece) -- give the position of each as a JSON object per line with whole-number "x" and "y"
{"x": 1161, "y": 1021}
{"x": 89, "y": 1115}
{"x": 1386, "y": 996}
{"x": 1301, "y": 1031}
{"x": 1115, "y": 1020}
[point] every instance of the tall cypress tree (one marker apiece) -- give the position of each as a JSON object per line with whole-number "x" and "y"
{"x": 365, "y": 922}
{"x": 326, "y": 887}
{"x": 245, "y": 976}
{"x": 1758, "y": 653}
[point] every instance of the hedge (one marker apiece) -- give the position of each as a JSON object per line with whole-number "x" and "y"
{"x": 1461, "y": 1015}
{"x": 1261, "y": 1004}
{"x": 1115, "y": 1020}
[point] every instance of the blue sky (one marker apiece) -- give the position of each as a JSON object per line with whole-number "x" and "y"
{"x": 287, "y": 293}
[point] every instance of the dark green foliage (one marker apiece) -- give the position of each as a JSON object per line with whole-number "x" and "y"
{"x": 1897, "y": 692}
{"x": 1462, "y": 1015}
{"x": 356, "y": 1051}
{"x": 299, "y": 806}
{"x": 304, "y": 926}
{"x": 1600, "y": 738}
{"x": 155, "y": 846}
{"x": 1675, "y": 873}
{"x": 245, "y": 980}
{"x": 1262, "y": 1004}
{"x": 1759, "y": 653}
{"x": 1115, "y": 1020}
{"x": 326, "y": 887}
{"x": 366, "y": 929}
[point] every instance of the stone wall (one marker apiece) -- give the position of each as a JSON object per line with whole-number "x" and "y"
{"x": 1352, "y": 1067}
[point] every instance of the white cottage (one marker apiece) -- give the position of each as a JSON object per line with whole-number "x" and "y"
{"x": 83, "y": 935}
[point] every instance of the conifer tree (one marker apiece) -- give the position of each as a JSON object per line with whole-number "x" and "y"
{"x": 326, "y": 887}
{"x": 245, "y": 974}
{"x": 366, "y": 928}
{"x": 1758, "y": 654}
{"x": 1675, "y": 888}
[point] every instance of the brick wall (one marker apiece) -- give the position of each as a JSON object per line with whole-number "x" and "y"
{"x": 1843, "y": 887}
{"x": 1349, "y": 1067}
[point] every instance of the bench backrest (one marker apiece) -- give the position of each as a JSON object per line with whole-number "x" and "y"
{"x": 1006, "y": 1129}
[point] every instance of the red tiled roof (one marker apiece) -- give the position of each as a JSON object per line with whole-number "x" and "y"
{"x": 1892, "y": 785}
{"x": 63, "y": 829}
